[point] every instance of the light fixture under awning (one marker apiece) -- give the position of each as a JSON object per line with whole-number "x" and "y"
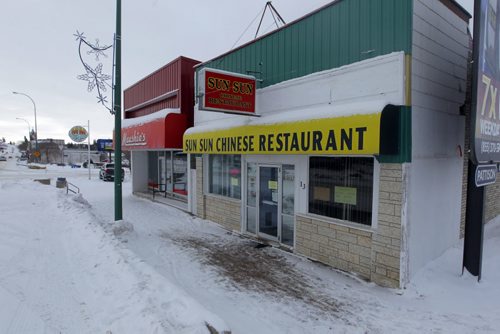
{"x": 321, "y": 131}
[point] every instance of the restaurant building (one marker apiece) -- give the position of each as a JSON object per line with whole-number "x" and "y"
{"x": 351, "y": 153}
{"x": 158, "y": 109}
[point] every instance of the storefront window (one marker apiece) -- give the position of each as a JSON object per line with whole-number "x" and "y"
{"x": 153, "y": 169}
{"x": 225, "y": 175}
{"x": 180, "y": 174}
{"x": 167, "y": 172}
{"x": 341, "y": 188}
{"x": 168, "y": 166}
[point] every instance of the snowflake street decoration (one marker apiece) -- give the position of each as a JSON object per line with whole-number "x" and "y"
{"x": 94, "y": 76}
{"x": 97, "y": 50}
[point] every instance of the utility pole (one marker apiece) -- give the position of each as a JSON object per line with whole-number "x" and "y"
{"x": 36, "y": 129}
{"x": 98, "y": 80}
{"x": 118, "y": 114}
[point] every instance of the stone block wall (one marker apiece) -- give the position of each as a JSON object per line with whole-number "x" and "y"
{"x": 200, "y": 198}
{"x": 342, "y": 247}
{"x": 372, "y": 254}
{"x": 386, "y": 242}
{"x": 221, "y": 210}
{"x": 492, "y": 199}
{"x": 224, "y": 211}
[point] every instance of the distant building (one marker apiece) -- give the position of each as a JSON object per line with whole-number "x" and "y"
{"x": 51, "y": 150}
{"x": 78, "y": 156}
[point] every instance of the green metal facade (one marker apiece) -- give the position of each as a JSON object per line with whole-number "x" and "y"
{"x": 340, "y": 33}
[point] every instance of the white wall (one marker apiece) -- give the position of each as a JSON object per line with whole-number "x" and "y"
{"x": 439, "y": 72}
{"x": 139, "y": 168}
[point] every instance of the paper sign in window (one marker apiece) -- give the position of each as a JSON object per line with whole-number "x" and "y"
{"x": 321, "y": 194}
{"x": 345, "y": 195}
{"x": 272, "y": 185}
{"x": 274, "y": 196}
{"x": 235, "y": 182}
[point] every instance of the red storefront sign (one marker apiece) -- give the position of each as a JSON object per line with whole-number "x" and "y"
{"x": 227, "y": 92}
{"x": 162, "y": 133}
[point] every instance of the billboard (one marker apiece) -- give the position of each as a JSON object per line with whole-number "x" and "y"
{"x": 486, "y": 83}
{"x": 104, "y": 145}
{"x": 226, "y": 92}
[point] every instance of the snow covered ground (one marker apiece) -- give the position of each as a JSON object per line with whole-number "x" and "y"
{"x": 66, "y": 267}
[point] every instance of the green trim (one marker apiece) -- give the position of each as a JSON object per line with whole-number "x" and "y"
{"x": 398, "y": 134}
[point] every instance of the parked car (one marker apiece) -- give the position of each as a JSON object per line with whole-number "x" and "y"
{"x": 107, "y": 172}
{"x": 2, "y": 158}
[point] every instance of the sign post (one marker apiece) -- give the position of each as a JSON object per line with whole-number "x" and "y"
{"x": 117, "y": 107}
{"x": 78, "y": 134}
{"x": 485, "y": 125}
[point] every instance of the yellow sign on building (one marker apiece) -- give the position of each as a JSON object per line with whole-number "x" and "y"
{"x": 353, "y": 135}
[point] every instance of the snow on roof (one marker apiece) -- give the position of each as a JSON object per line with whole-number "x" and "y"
{"x": 130, "y": 122}
{"x": 295, "y": 115}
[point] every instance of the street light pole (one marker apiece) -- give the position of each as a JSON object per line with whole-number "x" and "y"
{"x": 29, "y": 131}
{"x": 118, "y": 114}
{"x": 96, "y": 79}
{"x": 88, "y": 145}
{"x": 34, "y": 107}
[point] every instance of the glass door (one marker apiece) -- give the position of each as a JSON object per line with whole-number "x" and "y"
{"x": 269, "y": 201}
{"x": 288, "y": 205}
{"x": 251, "y": 207}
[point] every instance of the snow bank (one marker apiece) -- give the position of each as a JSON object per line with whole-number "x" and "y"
{"x": 161, "y": 114}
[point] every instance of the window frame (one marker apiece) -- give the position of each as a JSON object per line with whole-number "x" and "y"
{"x": 375, "y": 195}
{"x": 207, "y": 178}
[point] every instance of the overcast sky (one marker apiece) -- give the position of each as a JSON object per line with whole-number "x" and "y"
{"x": 39, "y": 54}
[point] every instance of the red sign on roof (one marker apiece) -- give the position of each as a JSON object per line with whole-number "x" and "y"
{"x": 226, "y": 92}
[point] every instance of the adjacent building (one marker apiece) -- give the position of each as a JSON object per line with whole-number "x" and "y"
{"x": 158, "y": 109}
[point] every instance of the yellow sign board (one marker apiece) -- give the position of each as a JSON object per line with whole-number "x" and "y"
{"x": 356, "y": 134}
{"x": 37, "y": 154}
